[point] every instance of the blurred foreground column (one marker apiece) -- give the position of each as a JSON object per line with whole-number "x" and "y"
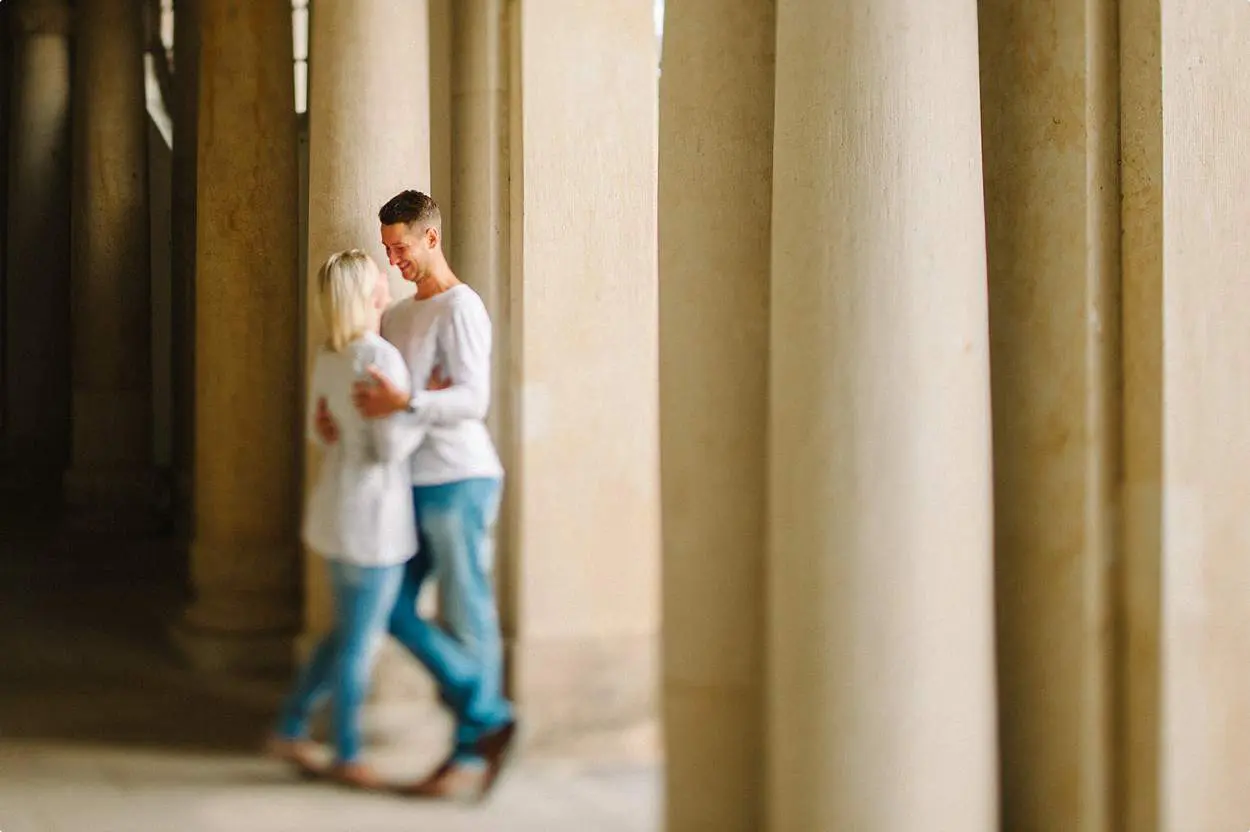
{"x": 881, "y": 700}
{"x": 244, "y": 555}
{"x": 1200, "y": 166}
{"x": 716, "y": 148}
{"x": 1051, "y": 148}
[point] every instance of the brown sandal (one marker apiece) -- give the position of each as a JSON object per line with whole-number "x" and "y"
{"x": 496, "y": 748}
{"x": 449, "y": 781}
{"x": 356, "y": 776}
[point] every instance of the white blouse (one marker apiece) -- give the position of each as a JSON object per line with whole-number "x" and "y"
{"x": 360, "y": 510}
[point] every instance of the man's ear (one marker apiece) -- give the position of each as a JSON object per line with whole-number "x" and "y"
{"x": 432, "y": 237}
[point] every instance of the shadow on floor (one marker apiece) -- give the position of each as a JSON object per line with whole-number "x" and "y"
{"x": 84, "y": 655}
{"x": 102, "y": 728}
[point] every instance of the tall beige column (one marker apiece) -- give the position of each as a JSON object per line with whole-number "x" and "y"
{"x": 364, "y": 145}
{"x": 369, "y": 128}
{"x": 245, "y": 556}
{"x": 880, "y": 649}
{"x": 36, "y": 322}
{"x": 1052, "y": 215}
{"x": 716, "y": 150}
{"x": 478, "y": 219}
{"x": 583, "y": 341}
{"x": 1206, "y": 447}
{"x": 112, "y": 468}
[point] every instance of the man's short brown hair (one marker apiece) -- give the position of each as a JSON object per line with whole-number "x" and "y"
{"x": 411, "y": 208}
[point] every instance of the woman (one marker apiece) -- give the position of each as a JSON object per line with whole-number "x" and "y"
{"x": 359, "y": 517}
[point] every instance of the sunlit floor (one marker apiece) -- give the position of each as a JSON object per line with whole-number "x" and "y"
{"x": 101, "y": 729}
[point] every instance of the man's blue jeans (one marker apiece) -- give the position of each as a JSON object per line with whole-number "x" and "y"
{"x": 363, "y": 599}
{"x": 456, "y": 523}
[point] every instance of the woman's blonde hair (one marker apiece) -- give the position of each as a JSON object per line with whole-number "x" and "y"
{"x": 345, "y": 285}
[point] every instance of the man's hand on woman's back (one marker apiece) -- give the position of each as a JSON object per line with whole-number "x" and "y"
{"x": 438, "y": 381}
{"x": 327, "y": 428}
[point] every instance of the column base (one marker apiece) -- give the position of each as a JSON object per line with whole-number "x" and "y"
{"x": 114, "y": 501}
{"x": 569, "y": 690}
{"x": 243, "y": 620}
{"x": 233, "y": 653}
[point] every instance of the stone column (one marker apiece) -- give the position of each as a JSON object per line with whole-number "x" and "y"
{"x": 1205, "y": 644}
{"x": 441, "y": 81}
{"x": 368, "y": 139}
{"x": 880, "y": 649}
{"x": 716, "y": 151}
{"x": 244, "y": 555}
{"x": 1138, "y": 761}
{"x": 185, "y": 116}
{"x": 478, "y": 220}
{"x": 36, "y": 310}
{"x": 111, "y": 474}
{"x": 584, "y": 352}
{"x": 1052, "y": 214}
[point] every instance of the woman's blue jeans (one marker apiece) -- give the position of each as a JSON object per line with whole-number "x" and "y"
{"x": 340, "y": 664}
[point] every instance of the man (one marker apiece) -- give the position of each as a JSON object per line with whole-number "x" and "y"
{"x": 444, "y": 334}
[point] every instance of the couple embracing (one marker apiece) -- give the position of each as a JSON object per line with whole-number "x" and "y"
{"x": 409, "y": 490}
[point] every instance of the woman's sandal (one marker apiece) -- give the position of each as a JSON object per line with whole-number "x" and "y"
{"x": 356, "y": 776}
{"x": 303, "y": 755}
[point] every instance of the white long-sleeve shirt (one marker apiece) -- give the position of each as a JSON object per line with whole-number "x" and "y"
{"x": 452, "y": 331}
{"x": 361, "y": 510}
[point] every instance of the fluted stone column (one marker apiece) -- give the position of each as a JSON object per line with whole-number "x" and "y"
{"x": 36, "y": 322}
{"x": 244, "y": 555}
{"x": 880, "y": 648}
{"x": 584, "y": 346}
{"x": 1138, "y": 761}
{"x": 367, "y": 142}
{"x": 478, "y": 223}
{"x": 1052, "y": 214}
{"x": 111, "y": 473}
{"x": 716, "y": 148}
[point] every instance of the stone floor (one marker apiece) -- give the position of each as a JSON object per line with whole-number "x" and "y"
{"x": 102, "y": 730}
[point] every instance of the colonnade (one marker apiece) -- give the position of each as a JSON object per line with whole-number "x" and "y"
{"x": 953, "y": 536}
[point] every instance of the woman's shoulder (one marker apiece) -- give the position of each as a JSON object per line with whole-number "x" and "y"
{"x": 326, "y": 358}
{"x": 377, "y": 350}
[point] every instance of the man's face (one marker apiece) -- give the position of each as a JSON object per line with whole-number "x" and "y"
{"x": 408, "y": 249}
